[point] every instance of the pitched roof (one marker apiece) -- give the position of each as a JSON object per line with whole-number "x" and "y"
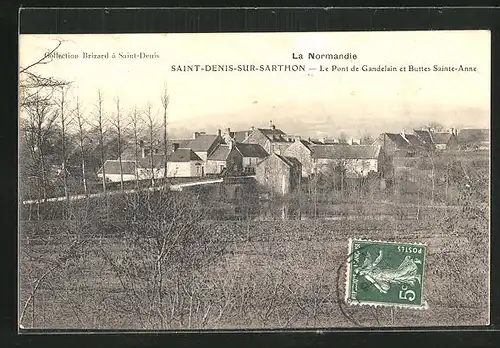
{"x": 183, "y": 155}
{"x": 251, "y": 150}
{"x": 424, "y": 135}
{"x": 273, "y": 134}
{"x": 129, "y": 152}
{"x": 441, "y": 138}
{"x": 203, "y": 142}
{"x": 473, "y": 135}
{"x": 414, "y": 140}
{"x": 239, "y": 136}
{"x": 398, "y": 140}
{"x": 220, "y": 153}
{"x": 113, "y": 167}
{"x": 180, "y": 155}
{"x": 341, "y": 151}
{"x": 289, "y": 161}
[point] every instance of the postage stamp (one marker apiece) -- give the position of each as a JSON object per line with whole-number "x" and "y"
{"x": 385, "y": 274}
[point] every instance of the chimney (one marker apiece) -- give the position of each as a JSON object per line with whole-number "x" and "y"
{"x": 231, "y": 144}
{"x": 228, "y": 131}
{"x": 218, "y": 132}
{"x": 297, "y": 138}
{"x": 195, "y": 135}
{"x": 351, "y": 141}
{"x": 403, "y": 134}
{"x": 252, "y": 128}
{"x": 452, "y": 131}
{"x": 175, "y": 146}
{"x": 247, "y": 134}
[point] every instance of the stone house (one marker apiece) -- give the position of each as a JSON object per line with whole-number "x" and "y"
{"x": 301, "y": 150}
{"x": 225, "y": 157}
{"x": 271, "y": 139}
{"x": 279, "y": 174}
{"x": 251, "y": 155}
{"x": 401, "y": 144}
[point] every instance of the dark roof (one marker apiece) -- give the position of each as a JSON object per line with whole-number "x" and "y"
{"x": 290, "y": 161}
{"x": 473, "y": 135}
{"x": 220, "y": 153}
{"x": 342, "y": 151}
{"x": 180, "y": 155}
{"x": 251, "y": 150}
{"x": 239, "y": 136}
{"x": 414, "y": 140}
{"x": 282, "y": 146}
{"x": 129, "y": 152}
{"x": 273, "y": 134}
{"x": 424, "y": 136}
{"x": 158, "y": 161}
{"x": 203, "y": 142}
{"x": 398, "y": 140}
{"x": 113, "y": 167}
{"x": 441, "y": 138}
{"x": 183, "y": 155}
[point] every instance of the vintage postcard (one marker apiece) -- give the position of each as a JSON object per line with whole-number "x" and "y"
{"x": 254, "y": 180}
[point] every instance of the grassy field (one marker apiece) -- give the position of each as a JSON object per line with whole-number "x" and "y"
{"x": 273, "y": 274}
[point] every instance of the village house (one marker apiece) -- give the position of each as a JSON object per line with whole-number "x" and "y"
{"x": 271, "y": 139}
{"x": 401, "y": 145}
{"x": 356, "y": 160}
{"x": 183, "y": 163}
{"x": 114, "y": 174}
{"x": 301, "y": 150}
{"x": 251, "y": 155}
{"x": 438, "y": 140}
{"x": 279, "y": 174}
{"x": 225, "y": 158}
{"x": 204, "y": 144}
{"x": 445, "y": 140}
{"x": 474, "y": 139}
{"x": 235, "y": 136}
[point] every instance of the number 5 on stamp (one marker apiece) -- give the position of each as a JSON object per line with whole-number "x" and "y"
{"x": 385, "y": 274}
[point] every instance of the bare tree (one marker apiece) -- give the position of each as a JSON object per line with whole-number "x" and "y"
{"x": 64, "y": 119}
{"x": 135, "y": 120}
{"x": 101, "y": 128}
{"x": 151, "y": 134}
{"x": 164, "y": 102}
{"x": 41, "y": 119}
{"x": 81, "y": 135}
{"x": 117, "y": 123}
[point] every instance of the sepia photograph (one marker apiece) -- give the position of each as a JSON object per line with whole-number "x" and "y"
{"x": 268, "y": 181}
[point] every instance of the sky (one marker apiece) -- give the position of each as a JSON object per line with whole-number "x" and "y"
{"x": 308, "y": 103}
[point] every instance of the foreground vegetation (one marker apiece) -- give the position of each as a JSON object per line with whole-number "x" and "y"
{"x": 175, "y": 268}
